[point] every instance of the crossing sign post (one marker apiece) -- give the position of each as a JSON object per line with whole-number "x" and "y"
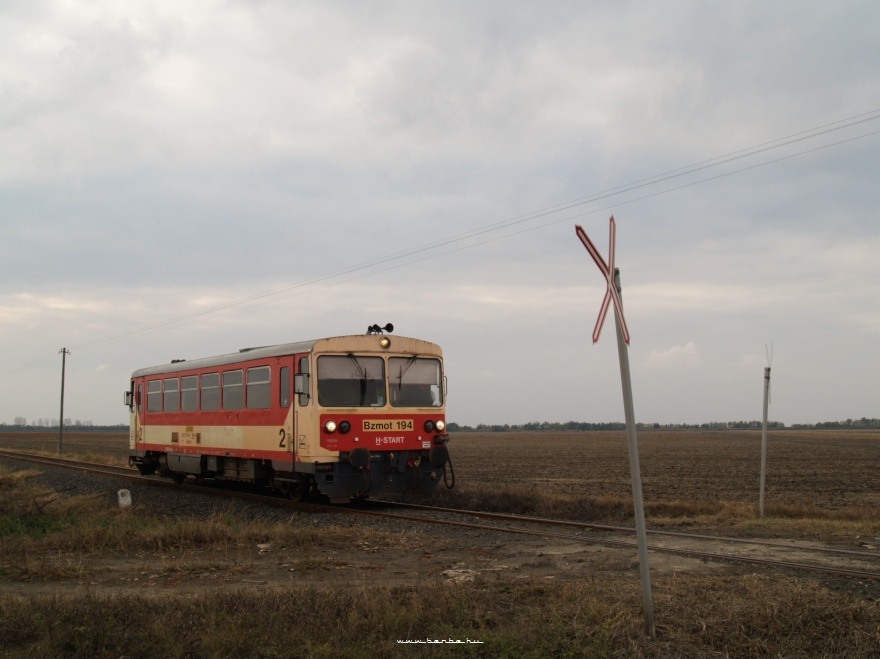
{"x": 612, "y": 296}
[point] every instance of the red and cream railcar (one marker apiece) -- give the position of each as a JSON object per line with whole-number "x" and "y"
{"x": 347, "y": 416}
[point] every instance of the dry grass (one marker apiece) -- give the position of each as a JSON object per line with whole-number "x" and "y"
{"x": 47, "y": 536}
{"x": 695, "y": 615}
{"x": 818, "y": 487}
{"x": 721, "y": 516}
{"x": 737, "y": 616}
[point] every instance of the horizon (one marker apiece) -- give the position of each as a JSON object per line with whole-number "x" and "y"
{"x": 862, "y": 422}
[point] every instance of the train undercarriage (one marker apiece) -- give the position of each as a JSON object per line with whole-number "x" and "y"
{"x": 358, "y": 474}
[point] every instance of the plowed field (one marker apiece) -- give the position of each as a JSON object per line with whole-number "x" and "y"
{"x": 827, "y": 469}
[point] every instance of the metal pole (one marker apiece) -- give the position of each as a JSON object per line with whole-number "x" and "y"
{"x": 764, "y": 440}
{"x": 635, "y": 471}
{"x": 64, "y": 352}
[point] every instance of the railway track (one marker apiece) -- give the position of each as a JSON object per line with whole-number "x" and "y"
{"x": 869, "y": 555}
{"x": 91, "y": 467}
{"x": 793, "y": 555}
{"x": 830, "y": 560}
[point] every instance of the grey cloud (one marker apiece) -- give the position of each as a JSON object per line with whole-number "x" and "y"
{"x": 164, "y": 159}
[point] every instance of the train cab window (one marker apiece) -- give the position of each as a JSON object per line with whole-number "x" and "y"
{"x": 171, "y": 395}
{"x": 189, "y": 393}
{"x": 351, "y": 381}
{"x": 140, "y": 397}
{"x": 258, "y": 388}
{"x": 415, "y": 382}
{"x": 154, "y": 396}
{"x": 233, "y": 393}
{"x": 210, "y": 392}
{"x": 284, "y": 387}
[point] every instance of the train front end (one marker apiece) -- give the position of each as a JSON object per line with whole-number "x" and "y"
{"x": 372, "y": 417}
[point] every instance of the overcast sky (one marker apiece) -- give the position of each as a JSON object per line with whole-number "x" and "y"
{"x": 182, "y": 179}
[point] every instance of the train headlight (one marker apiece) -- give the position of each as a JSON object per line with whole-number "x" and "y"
{"x": 431, "y": 426}
{"x": 330, "y": 426}
{"x": 344, "y": 427}
{"x": 385, "y": 343}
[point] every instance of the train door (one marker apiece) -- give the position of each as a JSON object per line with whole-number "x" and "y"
{"x": 287, "y": 443}
{"x": 292, "y": 373}
{"x": 302, "y": 408}
{"x": 135, "y": 401}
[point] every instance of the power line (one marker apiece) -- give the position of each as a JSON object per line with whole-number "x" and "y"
{"x": 594, "y": 211}
{"x": 328, "y": 279}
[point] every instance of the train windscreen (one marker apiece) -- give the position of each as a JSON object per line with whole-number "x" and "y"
{"x": 415, "y": 382}
{"x": 351, "y": 381}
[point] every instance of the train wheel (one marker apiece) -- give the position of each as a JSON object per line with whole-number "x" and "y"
{"x": 178, "y": 478}
{"x": 294, "y": 491}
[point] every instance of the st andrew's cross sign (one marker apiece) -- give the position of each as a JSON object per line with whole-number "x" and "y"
{"x": 607, "y": 269}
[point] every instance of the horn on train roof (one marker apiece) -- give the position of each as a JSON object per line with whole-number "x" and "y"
{"x": 375, "y": 329}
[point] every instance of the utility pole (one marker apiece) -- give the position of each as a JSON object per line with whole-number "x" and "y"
{"x": 64, "y": 352}
{"x": 764, "y": 441}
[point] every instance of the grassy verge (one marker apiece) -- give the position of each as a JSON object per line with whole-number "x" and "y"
{"x": 45, "y": 537}
{"x": 737, "y": 616}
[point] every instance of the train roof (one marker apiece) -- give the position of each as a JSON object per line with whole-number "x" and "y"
{"x": 359, "y": 342}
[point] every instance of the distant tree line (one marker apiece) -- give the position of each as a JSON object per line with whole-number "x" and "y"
{"x": 47, "y": 424}
{"x": 533, "y": 426}
{"x": 712, "y": 425}
{"x": 22, "y": 422}
{"x": 849, "y": 423}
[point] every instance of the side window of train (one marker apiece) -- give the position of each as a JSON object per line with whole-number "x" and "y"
{"x": 172, "y": 395}
{"x": 210, "y": 392}
{"x": 154, "y": 396}
{"x": 258, "y": 397}
{"x": 189, "y": 393}
{"x": 284, "y": 387}
{"x": 302, "y": 381}
{"x": 140, "y": 397}
{"x": 233, "y": 391}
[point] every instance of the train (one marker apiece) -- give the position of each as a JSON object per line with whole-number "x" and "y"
{"x": 345, "y": 417}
